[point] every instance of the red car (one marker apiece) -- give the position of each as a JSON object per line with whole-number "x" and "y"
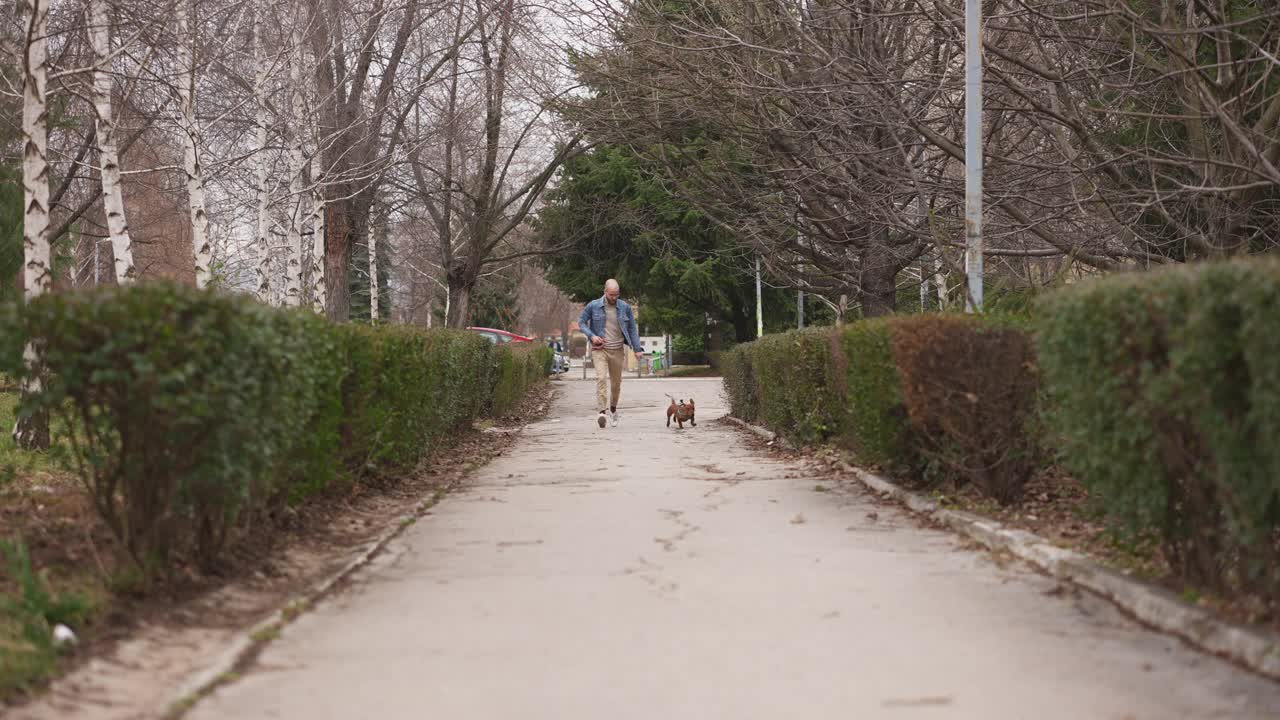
{"x": 500, "y": 336}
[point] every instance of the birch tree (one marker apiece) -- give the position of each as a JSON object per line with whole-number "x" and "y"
{"x": 202, "y": 249}
{"x": 262, "y": 224}
{"x": 297, "y": 125}
{"x": 374, "y": 285}
{"x": 32, "y": 429}
{"x": 319, "y": 299}
{"x": 100, "y": 26}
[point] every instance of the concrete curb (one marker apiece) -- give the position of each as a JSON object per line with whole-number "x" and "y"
{"x": 243, "y": 647}
{"x": 1153, "y": 606}
{"x": 764, "y": 433}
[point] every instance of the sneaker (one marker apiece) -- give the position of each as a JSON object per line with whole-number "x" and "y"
{"x": 613, "y": 419}
{"x": 601, "y": 420}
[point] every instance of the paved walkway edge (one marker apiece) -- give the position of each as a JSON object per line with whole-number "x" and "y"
{"x": 1153, "y": 606}
{"x": 244, "y": 647}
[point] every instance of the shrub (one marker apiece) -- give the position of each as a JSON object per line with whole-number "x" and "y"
{"x": 688, "y": 344}
{"x": 407, "y": 390}
{"x": 1165, "y": 401}
{"x": 970, "y": 388}
{"x": 517, "y": 367}
{"x": 313, "y": 463}
{"x": 876, "y": 426}
{"x": 178, "y": 403}
{"x": 150, "y": 381}
{"x": 794, "y": 384}
{"x": 187, "y": 410}
{"x": 740, "y": 383}
{"x": 544, "y": 361}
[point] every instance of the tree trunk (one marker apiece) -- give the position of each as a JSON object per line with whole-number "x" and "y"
{"x": 108, "y": 155}
{"x": 32, "y": 431}
{"x": 940, "y": 280}
{"x": 293, "y": 271}
{"x": 373, "y": 279}
{"x": 202, "y": 250}
{"x": 878, "y": 283}
{"x": 337, "y": 260}
{"x": 459, "y": 302}
{"x": 262, "y": 234}
{"x": 715, "y": 335}
{"x": 743, "y": 318}
{"x": 319, "y": 209}
{"x": 343, "y": 115}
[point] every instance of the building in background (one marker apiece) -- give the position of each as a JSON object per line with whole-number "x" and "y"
{"x": 655, "y": 343}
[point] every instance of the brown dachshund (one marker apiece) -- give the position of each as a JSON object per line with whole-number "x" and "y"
{"x": 681, "y": 411}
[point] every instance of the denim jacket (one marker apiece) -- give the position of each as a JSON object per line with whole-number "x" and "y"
{"x": 592, "y": 322}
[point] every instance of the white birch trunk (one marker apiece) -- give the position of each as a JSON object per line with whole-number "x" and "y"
{"x": 940, "y": 280}
{"x": 33, "y": 431}
{"x": 108, "y": 155}
{"x": 318, "y": 294}
{"x": 293, "y": 268}
{"x": 373, "y": 278}
{"x": 202, "y": 250}
{"x": 262, "y": 234}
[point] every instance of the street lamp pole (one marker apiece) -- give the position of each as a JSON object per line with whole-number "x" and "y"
{"x": 759, "y": 303}
{"x": 973, "y": 153}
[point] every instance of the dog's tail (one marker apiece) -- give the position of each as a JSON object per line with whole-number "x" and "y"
{"x": 673, "y": 398}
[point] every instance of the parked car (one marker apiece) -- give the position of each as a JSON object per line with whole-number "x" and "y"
{"x": 500, "y": 336}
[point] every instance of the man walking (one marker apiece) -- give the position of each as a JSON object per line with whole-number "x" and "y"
{"x": 610, "y": 326}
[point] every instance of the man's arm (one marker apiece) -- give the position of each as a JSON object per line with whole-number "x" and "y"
{"x": 633, "y": 330}
{"x": 584, "y": 321}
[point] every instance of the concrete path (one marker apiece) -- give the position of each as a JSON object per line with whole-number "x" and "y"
{"x": 653, "y": 574}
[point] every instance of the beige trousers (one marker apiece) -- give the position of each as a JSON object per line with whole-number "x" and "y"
{"x": 609, "y": 365}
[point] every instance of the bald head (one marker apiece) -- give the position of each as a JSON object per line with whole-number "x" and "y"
{"x": 611, "y": 290}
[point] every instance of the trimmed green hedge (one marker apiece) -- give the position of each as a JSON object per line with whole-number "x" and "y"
{"x": 182, "y": 407}
{"x": 1159, "y": 391}
{"x": 787, "y": 382}
{"x": 795, "y": 384}
{"x": 971, "y": 390}
{"x": 1164, "y": 399}
{"x": 946, "y": 396}
{"x": 517, "y": 367}
{"x": 740, "y": 382}
{"x": 876, "y": 425}
{"x": 189, "y": 411}
{"x": 407, "y": 389}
